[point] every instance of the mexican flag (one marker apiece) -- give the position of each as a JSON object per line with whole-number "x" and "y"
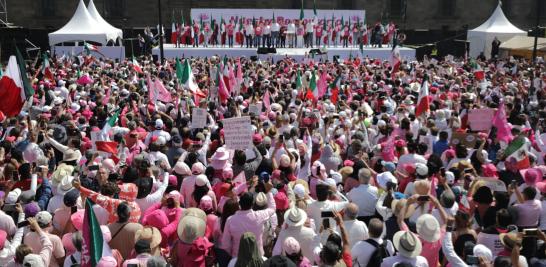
{"x": 479, "y": 74}
{"x": 222, "y": 90}
{"x": 15, "y": 87}
{"x": 107, "y": 146}
{"x": 423, "y": 104}
{"x": 89, "y": 47}
{"x": 111, "y": 122}
{"x": 92, "y": 237}
{"x": 313, "y": 93}
{"x": 395, "y": 60}
{"x": 46, "y": 71}
{"x": 519, "y": 150}
{"x": 136, "y": 66}
{"x": 185, "y": 75}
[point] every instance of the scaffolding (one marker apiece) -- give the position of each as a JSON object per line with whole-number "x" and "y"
{"x": 4, "y": 15}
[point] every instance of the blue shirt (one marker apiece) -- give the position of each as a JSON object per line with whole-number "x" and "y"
{"x": 439, "y": 147}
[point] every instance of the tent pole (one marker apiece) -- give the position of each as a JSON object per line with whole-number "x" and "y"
{"x": 536, "y": 33}
{"x": 161, "y": 52}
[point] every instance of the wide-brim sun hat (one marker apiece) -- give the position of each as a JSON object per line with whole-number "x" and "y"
{"x": 407, "y": 244}
{"x": 192, "y": 225}
{"x": 428, "y": 228}
{"x": 295, "y": 217}
{"x": 151, "y": 234}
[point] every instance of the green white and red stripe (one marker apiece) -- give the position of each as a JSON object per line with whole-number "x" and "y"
{"x": 15, "y": 87}
{"x": 519, "y": 150}
{"x": 479, "y": 74}
{"x": 313, "y": 92}
{"x": 136, "y": 66}
{"x": 46, "y": 70}
{"x": 93, "y": 242}
{"x": 423, "y": 104}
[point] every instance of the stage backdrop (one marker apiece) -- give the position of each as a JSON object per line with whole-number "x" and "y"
{"x": 217, "y": 14}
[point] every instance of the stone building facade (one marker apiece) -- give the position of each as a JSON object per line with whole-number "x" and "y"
{"x": 447, "y": 15}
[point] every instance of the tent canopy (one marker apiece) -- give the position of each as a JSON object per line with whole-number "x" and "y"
{"x": 83, "y": 27}
{"x": 524, "y": 43}
{"x": 112, "y": 32}
{"x": 498, "y": 26}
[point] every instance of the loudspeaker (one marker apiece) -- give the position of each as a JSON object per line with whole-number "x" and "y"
{"x": 336, "y": 58}
{"x": 315, "y": 51}
{"x": 262, "y": 50}
{"x": 254, "y": 58}
{"x": 272, "y": 50}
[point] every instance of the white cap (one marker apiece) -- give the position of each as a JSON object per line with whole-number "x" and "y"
{"x": 158, "y": 124}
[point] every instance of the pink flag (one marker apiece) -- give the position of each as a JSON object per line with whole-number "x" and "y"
{"x": 239, "y": 183}
{"x": 84, "y": 80}
{"x": 162, "y": 93}
{"x": 151, "y": 91}
{"x": 232, "y": 80}
{"x": 222, "y": 90}
{"x": 106, "y": 98}
{"x": 504, "y": 133}
{"x": 267, "y": 99}
{"x": 322, "y": 85}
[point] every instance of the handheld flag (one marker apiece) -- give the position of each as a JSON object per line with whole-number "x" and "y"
{"x": 423, "y": 104}
{"x": 15, "y": 87}
{"x": 46, "y": 71}
{"x": 302, "y": 15}
{"x": 314, "y": 7}
{"x": 92, "y": 237}
{"x": 504, "y": 133}
{"x": 136, "y": 66}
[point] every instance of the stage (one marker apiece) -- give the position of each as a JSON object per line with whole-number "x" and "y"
{"x": 298, "y": 53}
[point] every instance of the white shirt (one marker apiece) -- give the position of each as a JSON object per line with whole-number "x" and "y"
{"x": 267, "y": 29}
{"x": 155, "y": 197}
{"x": 249, "y": 29}
{"x": 275, "y": 27}
{"x": 365, "y": 197}
{"x": 309, "y": 27}
{"x": 157, "y": 133}
{"x": 411, "y": 159}
{"x": 291, "y": 28}
{"x": 362, "y": 251}
{"x": 357, "y": 231}
{"x": 418, "y": 261}
{"x": 315, "y": 209}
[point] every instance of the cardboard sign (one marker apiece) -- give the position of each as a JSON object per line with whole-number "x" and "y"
{"x": 238, "y": 133}
{"x": 481, "y": 119}
{"x": 467, "y": 139}
{"x": 493, "y": 184}
{"x": 255, "y": 109}
{"x": 198, "y": 118}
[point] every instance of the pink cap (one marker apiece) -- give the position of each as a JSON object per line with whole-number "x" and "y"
{"x": 77, "y": 219}
{"x": 489, "y": 170}
{"x": 156, "y": 218}
{"x": 291, "y": 246}
{"x": 206, "y": 203}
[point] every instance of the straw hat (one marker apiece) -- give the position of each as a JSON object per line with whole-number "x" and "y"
{"x": 407, "y": 244}
{"x": 428, "y": 228}
{"x": 295, "y": 217}
{"x": 151, "y": 234}
{"x": 192, "y": 225}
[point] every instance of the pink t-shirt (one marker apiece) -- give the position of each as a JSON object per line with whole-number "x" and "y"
{"x": 430, "y": 250}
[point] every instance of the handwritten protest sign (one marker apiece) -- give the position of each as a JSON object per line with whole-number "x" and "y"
{"x": 255, "y": 109}
{"x": 467, "y": 139}
{"x": 198, "y": 118}
{"x": 495, "y": 185}
{"x": 238, "y": 133}
{"x": 481, "y": 119}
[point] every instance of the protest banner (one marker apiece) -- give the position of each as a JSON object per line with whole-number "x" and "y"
{"x": 198, "y": 118}
{"x": 238, "y": 133}
{"x": 494, "y": 184}
{"x": 481, "y": 119}
{"x": 467, "y": 139}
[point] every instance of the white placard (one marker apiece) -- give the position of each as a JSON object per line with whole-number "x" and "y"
{"x": 255, "y": 109}
{"x": 238, "y": 133}
{"x": 198, "y": 118}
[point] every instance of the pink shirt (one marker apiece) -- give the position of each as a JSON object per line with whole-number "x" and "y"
{"x": 34, "y": 241}
{"x": 430, "y": 250}
{"x": 528, "y": 213}
{"x": 246, "y": 221}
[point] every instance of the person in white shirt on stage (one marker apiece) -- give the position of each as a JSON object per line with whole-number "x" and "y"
{"x": 249, "y": 33}
{"x": 275, "y": 28}
{"x": 309, "y": 29}
{"x": 300, "y": 32}
{"x": 266, "y": 39}
{"x": 291, "y": 34}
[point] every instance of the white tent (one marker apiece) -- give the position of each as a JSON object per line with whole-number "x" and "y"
{"x": 498, "y": 26}
{"x": 82, "y": 27}
{"x": 113, "y": 32}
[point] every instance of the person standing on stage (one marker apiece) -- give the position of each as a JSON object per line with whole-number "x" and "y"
{"x": 291, "y": 34}
{"x": 267, "y": 35}
{"x": 356, "y": 35}
{"x": 300, "y": 32}
{"x": 335, "y": 33}
{"x": 249, "y": 34}
{"x": 309, "y": 29}
{"x": 196, "y": 33}
{"x": 230, "y": 29}
{"x": 258, "y": 31}
{"x": 207, "y": 31}
{"x": 178, "y": 35}
{"x": 275, "y": 28}
{"x": 214, "y": 29}
{"x": 282, "y": 36}
{"x": 346, "y": 33}
{"x": 318, "y": 33}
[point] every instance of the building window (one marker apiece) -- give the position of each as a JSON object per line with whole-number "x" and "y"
{"x": 48, "y": 8}
{"x": 447, "y": 7}
{"x": 116, "y": 8}
{"x": 396, "y": 8}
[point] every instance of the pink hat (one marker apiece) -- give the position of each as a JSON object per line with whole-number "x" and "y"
{"x": 531, "y": 176}
{"x": 77, "y": 219}
{"x": 227, "y": 173}
{"x": 257, "y": 138}
{"x": 281, "y": 200}
{"x": 175, "y": 195}
{"x": 3, "y": 236}
{"x": 450, "y": 153}
{"x": 489, "y": 170}
{"x": 173, "y": 180}
{"x": 206, "y": 203}
{"x": 107, "y": 261}
{"x": 348, "y": 163}
{"x": 291, "y": 246}
{"x": 67, "y": 243}
{"x": 156, "y": 218}
{"x": 197, "y": 168}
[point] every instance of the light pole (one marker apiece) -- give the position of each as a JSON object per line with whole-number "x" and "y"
{"x": 161, "y": 53}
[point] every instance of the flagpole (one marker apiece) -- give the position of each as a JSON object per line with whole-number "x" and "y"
{"x": 161, "y": 52}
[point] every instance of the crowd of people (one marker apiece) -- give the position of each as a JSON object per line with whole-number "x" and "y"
{"x": 282, "y": 33}
{"x": 362, "y": 174}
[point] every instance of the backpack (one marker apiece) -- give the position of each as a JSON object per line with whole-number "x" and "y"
{"x": 378, "y": 255}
